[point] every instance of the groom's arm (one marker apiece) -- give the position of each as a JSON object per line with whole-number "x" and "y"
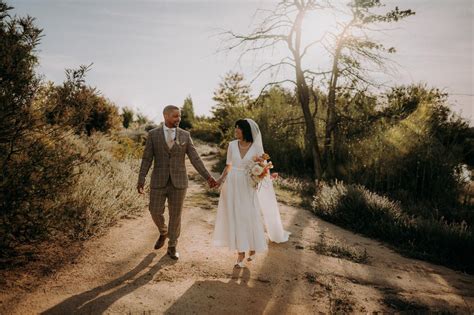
{"x": 147, "y": 159}
{"x": 196, "y": 159}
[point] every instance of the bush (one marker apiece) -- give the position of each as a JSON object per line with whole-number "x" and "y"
{"x": 415, "y": 148}
{"x": 76, "y": 187}
{"x": 127, "y": 117}
{"x": 79, "y": 106}
{"x": 281, "y": 125}
{"x": 355, "y": 207}
{"x": 33, "y": 181}
{"x": 206, "y": 130}
{"x": 128, "y": 146}
{"x": 278, "y": 117}
{"x": 55, "y": 182}
{"x": 37, "y": 163}
{"x": 105, "y": 191}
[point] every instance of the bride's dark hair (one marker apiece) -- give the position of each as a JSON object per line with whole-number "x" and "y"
{"x": 246, "y": 130}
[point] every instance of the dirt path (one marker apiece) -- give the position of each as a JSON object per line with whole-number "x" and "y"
{"x": 121, "y": 273}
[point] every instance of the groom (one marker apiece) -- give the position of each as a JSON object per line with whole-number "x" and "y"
{"x": 167, "y": 145}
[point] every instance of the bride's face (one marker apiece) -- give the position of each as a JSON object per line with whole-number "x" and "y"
{"x": 238, "y": 133}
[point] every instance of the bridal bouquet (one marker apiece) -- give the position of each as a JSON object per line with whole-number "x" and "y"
{"x": 259, "y": 168}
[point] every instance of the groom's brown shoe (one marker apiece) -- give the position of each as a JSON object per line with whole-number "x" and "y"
{"x": 161, "y": 241}
{"x": 173, "y": 253}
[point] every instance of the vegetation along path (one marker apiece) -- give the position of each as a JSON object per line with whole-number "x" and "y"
{"x": 323, "y": 268}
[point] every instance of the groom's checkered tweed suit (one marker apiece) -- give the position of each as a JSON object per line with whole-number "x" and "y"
{"x": 169, "y": 179}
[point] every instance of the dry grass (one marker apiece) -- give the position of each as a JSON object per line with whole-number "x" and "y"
{"x": 293, "y": 191}
{"x": 336, "y": 249}
{"x": 105, "y": 192}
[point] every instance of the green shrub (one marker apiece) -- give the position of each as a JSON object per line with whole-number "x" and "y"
{"x": 280, "y": 120}
{"x": 412, "y": 147}
{"x": 128, "y": 146}
{"x": 33, "y": 180}
{"x": 105, "y": 192}
{"x": 80, "y": 106}
{"x": 206, "y": 130}
{"x": 127, "y": 117}
{"x": 355, "y": 207}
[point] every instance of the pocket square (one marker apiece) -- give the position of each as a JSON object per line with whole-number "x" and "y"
{"x": 181, "y": 142}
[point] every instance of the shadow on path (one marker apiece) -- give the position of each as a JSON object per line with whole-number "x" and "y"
{"x": 96, "y": 302}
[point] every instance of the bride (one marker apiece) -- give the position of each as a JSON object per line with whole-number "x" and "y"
{"x": 244, "y": 212}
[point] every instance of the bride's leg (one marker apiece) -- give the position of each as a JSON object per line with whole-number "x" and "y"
{"x": 240, "y": 260}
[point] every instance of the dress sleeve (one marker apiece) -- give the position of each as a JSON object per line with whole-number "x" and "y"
{"x": 229, "y": 154}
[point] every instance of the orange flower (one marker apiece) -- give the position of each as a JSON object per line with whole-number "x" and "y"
{"x": 265, "y": 156}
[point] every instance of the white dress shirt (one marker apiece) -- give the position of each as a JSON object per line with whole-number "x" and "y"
{"x": 165, "y": 129}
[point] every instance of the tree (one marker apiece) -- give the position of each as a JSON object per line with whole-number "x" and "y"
{"x": 187, "y": 114}
{"x": 353, "y": 50}
{"x": 232, "y": 91}
{"x": 18, "y": 82}
{"x": 283, "y": 26}
{"x": 232, "y": 99}
{"x": 142, "y": 119}
{"x": 127, "y": 116}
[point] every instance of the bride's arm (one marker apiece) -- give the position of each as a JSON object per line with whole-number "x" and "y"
{"x": 227, "y": 166}
{"x": 224, "y": 174}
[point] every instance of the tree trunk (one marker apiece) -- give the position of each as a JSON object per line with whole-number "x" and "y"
{"x": 329, "y": 153}
{"x": 303, "y": 98}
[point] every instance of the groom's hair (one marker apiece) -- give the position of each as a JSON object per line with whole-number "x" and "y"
{"x": 246, "y": 130}
{"x": 169, "y": 108}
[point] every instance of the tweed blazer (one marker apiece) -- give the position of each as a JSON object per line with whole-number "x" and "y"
{"x": 169, "y": 162}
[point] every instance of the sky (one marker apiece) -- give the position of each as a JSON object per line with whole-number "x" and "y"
{"x": 150, "y": 53}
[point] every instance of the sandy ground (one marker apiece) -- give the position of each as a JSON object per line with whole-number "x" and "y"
{"x": 122, "y": 273}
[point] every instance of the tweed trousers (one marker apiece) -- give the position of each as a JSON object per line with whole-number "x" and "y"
{"x": 175, "y": 197}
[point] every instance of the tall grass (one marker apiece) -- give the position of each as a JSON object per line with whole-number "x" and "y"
{"x": 104, "y": 193}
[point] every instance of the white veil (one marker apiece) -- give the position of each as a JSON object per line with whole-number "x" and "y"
{"x": 266, "y": 198}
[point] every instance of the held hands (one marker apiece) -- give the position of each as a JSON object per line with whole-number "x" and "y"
{"x": 220, "y": 180}
{"x": 212, "y": 182}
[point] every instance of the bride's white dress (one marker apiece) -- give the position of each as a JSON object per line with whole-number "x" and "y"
{"x": 243, "y": 212}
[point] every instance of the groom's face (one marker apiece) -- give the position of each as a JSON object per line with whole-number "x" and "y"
{"x": 173, "y": 118}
